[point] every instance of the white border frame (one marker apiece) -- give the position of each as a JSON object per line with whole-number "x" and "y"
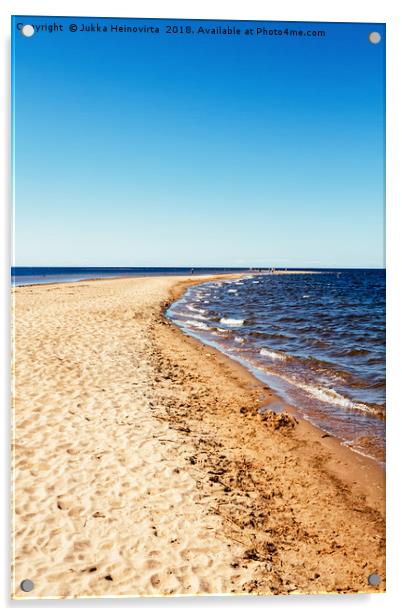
{"x": 386, "y": 11}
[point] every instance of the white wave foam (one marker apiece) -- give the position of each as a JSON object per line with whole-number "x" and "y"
{"x": 275, "y": 355}
{"x": 235, "y": 322}
{"x": 239, "y": 339}
{"x": 192, "y": 309}
{"x": 232, "y": 291}
{"x": 180, "y": 314}
{"x": 306, "y": 296}
{"x": 357, "y": 449}
{"x": 326, "y": 394}
{"x": 197, "y": 325}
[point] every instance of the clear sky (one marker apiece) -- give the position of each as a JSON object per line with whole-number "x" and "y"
{"x": 198, "y": 150}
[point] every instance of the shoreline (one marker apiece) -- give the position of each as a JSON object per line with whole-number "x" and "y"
{"x": 360, "y": 462}
{"x": 177, "y": 293}
{"x": 283, "y": 509}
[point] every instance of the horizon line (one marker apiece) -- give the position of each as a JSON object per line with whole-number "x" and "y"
{"x": 195, "y": 267}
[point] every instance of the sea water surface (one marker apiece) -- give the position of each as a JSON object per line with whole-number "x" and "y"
{"x": 45, "y": 275}
{"x": 317, "y": 339}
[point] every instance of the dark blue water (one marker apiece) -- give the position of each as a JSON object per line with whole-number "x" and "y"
{"x": 41, "y": 275}
{"x": 317, "y": 339}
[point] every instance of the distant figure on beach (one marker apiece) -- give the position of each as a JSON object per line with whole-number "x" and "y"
{"x": 192, "y": 270}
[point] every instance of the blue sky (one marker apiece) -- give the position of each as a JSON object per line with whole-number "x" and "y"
{"x": 196, "y": 150}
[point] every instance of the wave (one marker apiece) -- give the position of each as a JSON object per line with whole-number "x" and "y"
{"x": 229, "y": 321}
{"x": 197, "y": 325}
{"x": 193, "y": 309}
{"x": 183, "y": 315}
{"x": 356, "y": 352}
{"x": 275, "y": 355}
{"x": 368, "y": 446}
{"x": 379, "y": 384}
{"x": 199, "y": 317}
{"x": 330, "y": 396}
{"x": 272, "y": 336}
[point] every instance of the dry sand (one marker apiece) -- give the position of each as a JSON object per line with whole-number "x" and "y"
{"x": 143, "y": 467}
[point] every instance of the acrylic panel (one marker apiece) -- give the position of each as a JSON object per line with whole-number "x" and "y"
{"x": 198, "y": 294}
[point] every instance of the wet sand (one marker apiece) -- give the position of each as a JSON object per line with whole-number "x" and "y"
{"x": 144, "y": 467}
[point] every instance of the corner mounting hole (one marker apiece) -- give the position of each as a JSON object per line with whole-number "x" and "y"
{"x": 28, "y": 30}
{"x": 374, "y": 38}
{"x": 374, "y": 579}
{"x": 26, "y": 585}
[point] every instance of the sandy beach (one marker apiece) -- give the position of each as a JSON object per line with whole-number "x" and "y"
{"x": 142, "y": 465}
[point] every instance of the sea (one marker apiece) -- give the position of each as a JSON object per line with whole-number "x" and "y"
{"x": 317, "y": 339}
{"x": 45, "y": 275}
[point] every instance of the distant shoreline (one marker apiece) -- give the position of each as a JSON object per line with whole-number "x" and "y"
{"x": 40, "y": 279}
